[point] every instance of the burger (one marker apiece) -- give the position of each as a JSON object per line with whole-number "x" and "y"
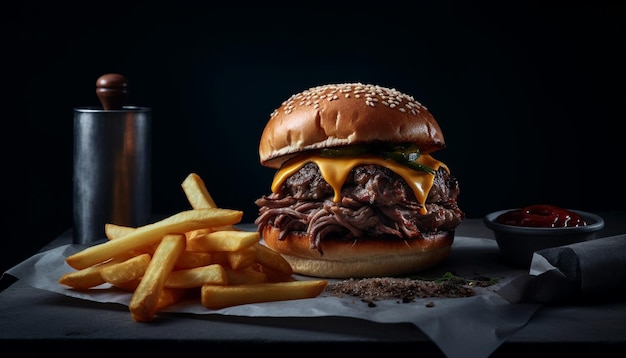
{"x": 356, "y": 191}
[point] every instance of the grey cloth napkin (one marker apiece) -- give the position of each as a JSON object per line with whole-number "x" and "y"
{"x": 587, "y": 269}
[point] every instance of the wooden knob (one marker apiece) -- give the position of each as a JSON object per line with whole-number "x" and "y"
{"x": 112, "y": 90}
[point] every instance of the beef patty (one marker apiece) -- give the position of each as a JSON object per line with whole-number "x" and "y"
{"x": 376, "y": 203}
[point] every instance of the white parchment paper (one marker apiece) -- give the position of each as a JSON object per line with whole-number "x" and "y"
{"x": 461, "y": 327}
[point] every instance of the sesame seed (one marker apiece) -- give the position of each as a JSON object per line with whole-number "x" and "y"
{"x": 370, "y": 94}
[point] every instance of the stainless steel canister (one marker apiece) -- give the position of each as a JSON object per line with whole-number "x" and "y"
{"x": 112, "y": 170}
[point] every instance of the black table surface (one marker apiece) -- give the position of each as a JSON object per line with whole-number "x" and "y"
{"x": 38, "y": 321}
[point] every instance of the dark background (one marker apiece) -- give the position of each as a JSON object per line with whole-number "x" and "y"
{"x": 530, "y": 96}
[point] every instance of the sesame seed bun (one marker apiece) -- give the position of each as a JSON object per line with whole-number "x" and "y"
{"x": 371, "y": 257}
{"x": 346, "y": 114}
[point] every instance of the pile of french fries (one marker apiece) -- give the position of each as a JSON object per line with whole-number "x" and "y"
{"x": 195, "y": 252}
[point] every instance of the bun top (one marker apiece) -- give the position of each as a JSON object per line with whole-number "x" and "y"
{"x": 345, "y": 114}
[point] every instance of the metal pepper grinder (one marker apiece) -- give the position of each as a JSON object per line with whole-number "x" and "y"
{"x": 112, "y": 162}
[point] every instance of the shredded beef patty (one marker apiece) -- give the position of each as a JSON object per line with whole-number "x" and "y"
{"x": 377, "y": 203}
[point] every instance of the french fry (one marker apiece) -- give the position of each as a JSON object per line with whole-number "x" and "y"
{"x": 128, "y": 286}
{"x": 274, "y": 275}
{"x": 228, "y": 240}
{"x": 217, "y": 297}
{"x": 241, "y": 258}
{"x": 191, "y": 234}
{"x": 272, "y": 259}
{"x": 246, "y": 275}
{"x": 220, "y": 257}
{"x": 197, "y": 193}
{"x": 145, "y": 300}
{"x": 189, "y": 259}
{"x": 128, "y": 270}
{"x": 90, "y": 277}
{"x": 169, "y": 296}
{"x": 84, "y": 279}
{"x": 199, "y": 197}
{"x": 114, "y": 231}
{"x": 196, "y": 277}
{"x": 181, "y": 222}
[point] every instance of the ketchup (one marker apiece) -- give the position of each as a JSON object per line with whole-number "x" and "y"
{"x": 541, "y": 215}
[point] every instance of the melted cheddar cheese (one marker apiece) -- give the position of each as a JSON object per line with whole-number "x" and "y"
{"x": 335, "y": 171}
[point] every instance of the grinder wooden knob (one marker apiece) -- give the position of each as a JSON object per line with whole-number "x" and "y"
{"x": 112, "y": 90}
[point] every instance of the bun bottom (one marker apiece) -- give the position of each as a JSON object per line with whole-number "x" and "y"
{"x": 366, "y": 258}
